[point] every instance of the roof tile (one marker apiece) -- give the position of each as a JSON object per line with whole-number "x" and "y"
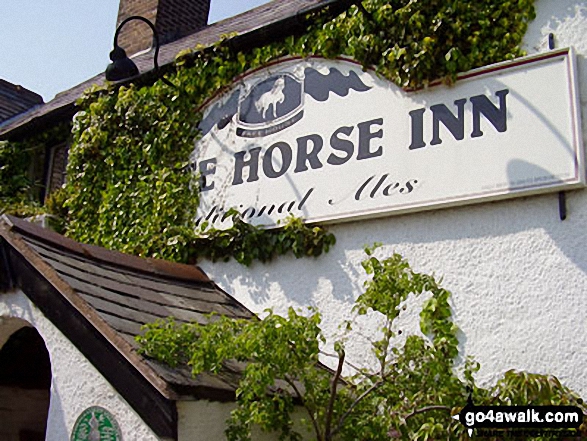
{"x": 127, "y": 292}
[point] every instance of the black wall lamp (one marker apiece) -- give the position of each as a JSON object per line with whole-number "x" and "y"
{"x": 123, "y": 68}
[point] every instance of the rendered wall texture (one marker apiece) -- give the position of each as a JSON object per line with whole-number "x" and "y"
{"x": 76, "y": 384}
{"x": 206, "y": 421}
{"x": 518, "y": 273}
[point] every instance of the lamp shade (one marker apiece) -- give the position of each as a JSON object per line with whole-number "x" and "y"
{"x": 122, "y": 67}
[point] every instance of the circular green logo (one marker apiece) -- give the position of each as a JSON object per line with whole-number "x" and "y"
{"x": 96, "y": 424}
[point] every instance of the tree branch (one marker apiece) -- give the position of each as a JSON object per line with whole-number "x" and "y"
{"x": 348, "y": 363}
{"x": 426, "y": 409}
{"x": 299, "y": 395}
{"x": 351, "y": 365}
{"x": 354, "y": 404}
{"x": 327, "y": 424}
{"x": 387, "y": 336}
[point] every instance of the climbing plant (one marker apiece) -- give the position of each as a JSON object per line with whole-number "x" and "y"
{"x": 19, "y": 187}
{"x": 412, "y": 391}
{"x": 246, "y": 243}
{"x": 14, "y": 181}
{"x": 128, "y": 187}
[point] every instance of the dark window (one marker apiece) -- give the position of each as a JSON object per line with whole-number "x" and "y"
{"x": 56, "y": 165}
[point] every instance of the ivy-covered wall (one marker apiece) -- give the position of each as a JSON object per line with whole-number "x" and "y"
{"x": 22, "y": 167}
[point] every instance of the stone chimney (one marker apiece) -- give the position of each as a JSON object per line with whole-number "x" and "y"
{"x": 173, "y": 19}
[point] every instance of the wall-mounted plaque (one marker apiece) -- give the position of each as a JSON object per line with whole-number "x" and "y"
{"x": 96, "y": 424}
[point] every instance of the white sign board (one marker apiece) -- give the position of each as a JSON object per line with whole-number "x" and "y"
{"x": 325, "y": 140}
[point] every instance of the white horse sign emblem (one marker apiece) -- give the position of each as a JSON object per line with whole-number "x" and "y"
{"x": 270, "y": 100}
{"x": 276, "y": 102}
{"x": 270, "y": 106}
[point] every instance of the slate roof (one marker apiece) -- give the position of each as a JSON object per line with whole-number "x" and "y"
{"x": 15, "y": 100}
{"x": 99, "y": 299}
{"x": 260, "y": 25}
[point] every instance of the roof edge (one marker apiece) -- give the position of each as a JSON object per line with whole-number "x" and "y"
{"x": 158, "y": 267}
{"x": 63, "y": 106}
{"x": 86, "y": 310}
{"x": 148, "y": 394}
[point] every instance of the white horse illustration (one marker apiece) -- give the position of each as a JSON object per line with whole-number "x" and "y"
{"x": 94, "y": 434}
{"x": 271, "y": 98}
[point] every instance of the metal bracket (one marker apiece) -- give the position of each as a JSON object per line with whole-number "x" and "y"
{"x": 551, "y": 41}
{"x": 562, "y": 197}
{"x": 562, "y": 205}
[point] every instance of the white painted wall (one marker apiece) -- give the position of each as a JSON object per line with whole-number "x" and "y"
{"x": 76, "y": 384}
{"x": 202, "y": 420}
{"x": 206, "y": 421}
{"x": 517, "y": 273}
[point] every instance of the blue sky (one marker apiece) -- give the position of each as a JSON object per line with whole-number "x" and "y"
{"x": 49, "y": 46}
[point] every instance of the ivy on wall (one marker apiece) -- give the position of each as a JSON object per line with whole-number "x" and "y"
{"x": 127, "y": 186}
{"x": 14, "y": 181}
{"x": 246, "y": 242}
{"x": 21, "y": 167}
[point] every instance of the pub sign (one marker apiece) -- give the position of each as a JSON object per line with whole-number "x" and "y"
{"x": 326, "y": 140}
